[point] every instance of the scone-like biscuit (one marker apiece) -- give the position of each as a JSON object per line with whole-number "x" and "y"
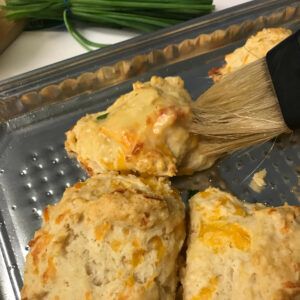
{"x": 144, "y": 131}
{"x": 110, "y": 237}
{"x": 255, "y": 47}
{"x": 239, "y": 251}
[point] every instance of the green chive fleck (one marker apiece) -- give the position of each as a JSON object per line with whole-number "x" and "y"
{"x": 102, "y": 117}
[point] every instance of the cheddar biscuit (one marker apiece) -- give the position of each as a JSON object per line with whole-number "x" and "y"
{"x": 145, "y": 131}
{"x": 110, "y": 237}
{"x": 255, "y": 47}
{"x": 239, "y": 251}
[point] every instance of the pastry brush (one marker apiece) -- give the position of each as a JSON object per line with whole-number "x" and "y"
{"x": 253, "y": 104}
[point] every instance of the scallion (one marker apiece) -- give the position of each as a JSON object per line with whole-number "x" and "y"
{"x": 102, "y": 117}
{"x": 147, "y": 15}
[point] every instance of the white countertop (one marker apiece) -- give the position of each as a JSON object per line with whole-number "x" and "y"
{"x": 36, "y": 49}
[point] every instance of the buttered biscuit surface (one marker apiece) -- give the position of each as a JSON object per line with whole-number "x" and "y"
{"x": 145, "y": 131}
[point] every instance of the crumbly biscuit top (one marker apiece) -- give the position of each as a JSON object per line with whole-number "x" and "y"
{"x": 255, "y": 47}
{"x": 240, "y": 251}
{"x": 110, "y": 237}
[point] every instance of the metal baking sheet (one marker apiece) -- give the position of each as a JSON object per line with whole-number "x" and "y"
{"x": 37, "y": 108}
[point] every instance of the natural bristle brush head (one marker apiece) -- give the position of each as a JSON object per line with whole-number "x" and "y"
{"x": 239, "y": 111}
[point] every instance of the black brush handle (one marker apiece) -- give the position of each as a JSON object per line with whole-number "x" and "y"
{"x": 284, "y": 66}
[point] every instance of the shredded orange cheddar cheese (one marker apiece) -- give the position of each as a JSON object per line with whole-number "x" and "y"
{"x": 207, "y": 292}
{"x": 46, "y": 214}
{"x": 219, "y": 235}
{"x": 39, "y": 244}
{"x": 137, "y": 257}
{"x": 205, "y": 194}
{"x": 50, "y": 271}
{"x": 136, "y": 243}
{"x": 130, "y": 281}
{"x": 60, "y": 218}
{"x": 115, "y": 245}
{"x": 158, "y": 246}
{"x": 88, "y": 296}
{"x": 101, "y": 231}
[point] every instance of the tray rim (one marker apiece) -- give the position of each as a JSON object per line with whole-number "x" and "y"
{"x": 191, "y": 25}
{"x": 38, "y": 88}
{"x": 13, "y": 83}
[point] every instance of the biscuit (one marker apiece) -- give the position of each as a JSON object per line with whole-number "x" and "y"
{"x": 255, "y": 47}
{"x": 110, "y": 237}
{"x": 145, "y": 131}
{"x": 239, "y": 251}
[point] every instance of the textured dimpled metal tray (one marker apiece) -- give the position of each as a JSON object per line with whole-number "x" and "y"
{"x": 38, "y": 107}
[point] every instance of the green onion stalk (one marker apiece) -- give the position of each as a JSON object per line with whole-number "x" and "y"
{"x": 140, "y": 15}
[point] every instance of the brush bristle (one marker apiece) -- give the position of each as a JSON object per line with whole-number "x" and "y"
{"x": 239, "y": 111}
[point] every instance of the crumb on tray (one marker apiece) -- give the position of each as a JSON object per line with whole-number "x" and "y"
{"x": 258, "y": 183}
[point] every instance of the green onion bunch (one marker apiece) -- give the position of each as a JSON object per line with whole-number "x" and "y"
{"x": 140, "y": 15}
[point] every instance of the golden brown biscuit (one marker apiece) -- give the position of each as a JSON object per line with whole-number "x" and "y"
{"x": 239, "y": 251}
{"x": 145, "y": 131}
{"x": 110, "y": 237}
{"x": 255, "y": 47}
